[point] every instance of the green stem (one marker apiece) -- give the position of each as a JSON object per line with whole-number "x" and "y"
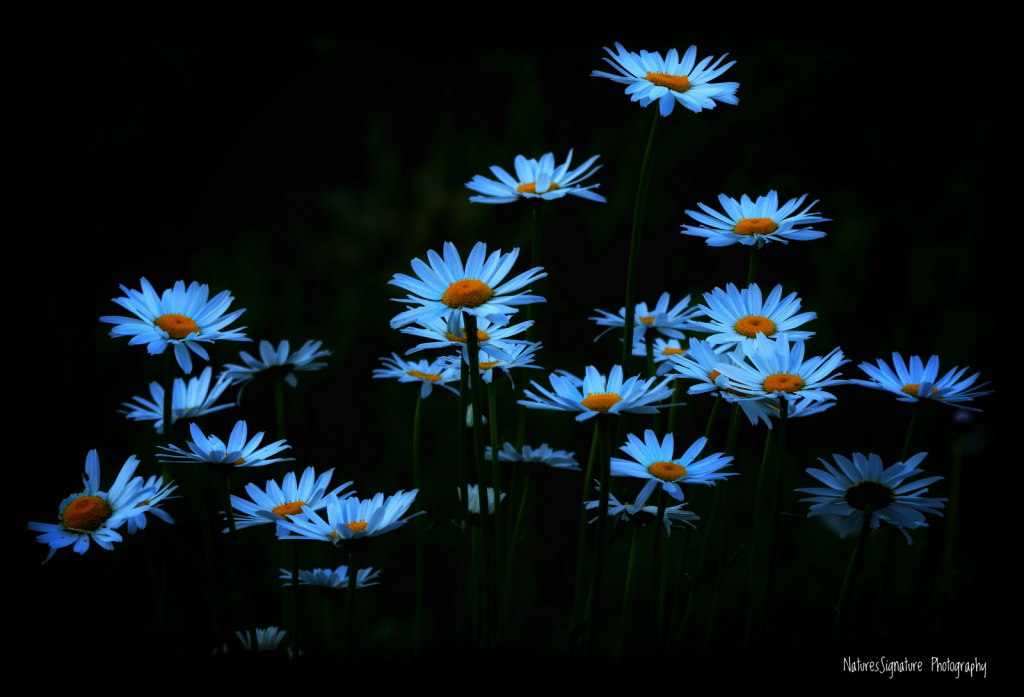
{"x": 851, "y": 576}
{"x": 279, "y": 406}
{"x": 656, "y": 577}
{"x": 755, "y": 546}
{"x": 294, "y": 633}
{"x": 634, "y": 243}
{"x": 530, "y": 313}
{"x": 581, "y": 540}
{"x": 158, "y": 597}
{"x": 695, "y": 582}
{"x": 167, "y": 409}
{"x": 773, "y": 514}
{"x": 910, "y": 432}
{"x": 602, "y": 533}
{"x": 652, "y": 372}
{"x": 625, "y": 593}
{"x": 350, "y": 605}
{"x": 711, "y": 419}
{"x": 499, "y": 538}
{"x": 755, "y": 257}
{"x": 677, "y": 394}
{"x": 465, "y": 552}
{"x": 418, "y": 624}
{"x": 225, "y": 489}
{"x": 327, "y": 623}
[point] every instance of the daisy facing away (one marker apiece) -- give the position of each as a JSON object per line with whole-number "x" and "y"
{"x": 662, "y": 350}
{"x": 603, "y": 395}
{"x": 427, "y": 374}
{"x": 187, "y": 402}
{"x": 266, "y": 639}
{"x": 737, "y": 315}
{"x": 536, "y": 179}
{"x": 494, "y": 340}
{"x": 278, "y": 502}
{"x": 152, "y": 504}
{"x": 556, "y": 459}
{"x": 746, "y": 222}
{"x": 332, "y": 578}
{"x": 180, "y": 318}
{"x": 520, "y": 356}
{"x": 280, "y": 364}
{"x": 642, "y": 511}
{"x": 236, "y": 451}
{"x": 654, "y": 462}
{"x": 350, "y": 518}
{"x": 651, "y": 78}
{"x": 670, "y": 322}
{"x": 920, "y": 381}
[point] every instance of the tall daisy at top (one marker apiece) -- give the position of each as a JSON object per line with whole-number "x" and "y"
{"x": 650, "y": 77}
{"x": 445, "y": 287}
{"x": 180, "y": 318}
{"x": 536, "y": 179}
{"x": 747, "y": 222}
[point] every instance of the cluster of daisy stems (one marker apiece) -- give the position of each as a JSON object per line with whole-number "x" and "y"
{"x": 751, "y": 359}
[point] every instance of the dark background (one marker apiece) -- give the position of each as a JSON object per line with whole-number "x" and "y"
{"x": 302, "y": 171}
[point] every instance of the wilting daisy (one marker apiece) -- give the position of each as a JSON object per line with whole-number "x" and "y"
{"x": 662, "y": 350}
{"x": 650, "y": 78}
{"x": 779, "y": 371}
{"x": 654, "y": 462}
{"x": 445, "y": 287}
{"x": 427, "y": 374}
{"x": 474, "y": 498}
{"x": 332, "y": 578}
{"x": 237, "y": 452}
{"x": 919, "y": 381}
{"x": 740, "y": 315}
{"x": 180, "y": 318}
{"x": 670, "y": 322}
{"x": 864, "y": 481}
{"x": 642, "y": 508}
{"x": 748, "y": 223}
{"x": 493, "y": 340}
{"x": 266, "y": 639}
{"x": 536, "y": 180}
{"x": 558, "y": 459}
{"x": 152, "y": 504}
{"x": 604, "y": 396}
{"x": 350, "y": 518}
{"x": 275, "y": 365}
{"x": 281, "y": 501}
{"x": 95, "y": 514}
{"x": 187, "y": 402}
{"x": 519, "y": 356}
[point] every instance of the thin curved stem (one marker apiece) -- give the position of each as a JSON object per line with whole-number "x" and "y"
{"x": 851, "y": 576}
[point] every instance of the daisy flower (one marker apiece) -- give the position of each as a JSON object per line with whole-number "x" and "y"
{"x": 266, "y": 639}
{"x": 654, "y": 462}
{"x": 750, "y": 223}
{"x": 864, "y": 481}
{"x": 519, "y": 356}
{"x": 237, "y": 452}
{"x": 919, "y": 381}
{"x": 350, "y": 518}
{"x": 192, "y": 401}
{"x": 493, "y": 339}
{"x": 558, "y": 459}
{"x": 281, "y": 501}
{"x": 632, "y": 511}
{"x": 445, "y": 287}
{"x": 540, "y": 180}
{"x": 778, "y": 371}
{"x": 474, "y": 498}
{"x": 180, "y": 318}
{"x": 604, "y": 396}
{"x": 649, "y": 77}
{"x": 427, "y": 374}
{"x": 669, "y": 322}
{"x": 152, "y": 504}
{"x": 740, "y": 315}
{"x": 802, "y": 407}
{"x": 663, "y": 350}
{"x": 93, "y": 514}
{"x": 332, "y": 578}
{"x": 275, "y": 365}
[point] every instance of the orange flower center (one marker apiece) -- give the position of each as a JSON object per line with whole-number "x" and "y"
{"x": 601, "y": 402}
{"x": 432, "y": 377}
{"x": 755, "y": 226}
{"x": 783, "y": 382}
{"x": 669, "y": 351}
{"x": 286, "y": 509}
{"x": 912, "y": 390}
{"x": 531, "y": 188}
{"x": 239, "y": 461}
{"x": 177, "y": 326}
{"x": 481, "y": 335}
{"x": 676, "y": 83}
{"x": 713, "y": 375}
{"x": 752, "y": 325}
{"x": 487, "y": 365}
{"x": 646, "y": 320}
{"x": 357, "y": 526}
{"x": 666, "y": 471}
{"x": 86, "y": 513}
{"x": 469, "y": 292}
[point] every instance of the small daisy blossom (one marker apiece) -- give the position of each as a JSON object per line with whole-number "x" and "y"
{"x": 863, "y": 481}
{"x": 180, "y": 318}
{"x": 350, "y": 518}
{"x": 237, "y": 452}
{"x": 275, "y": 365}
{"x": 493, "y": 340}
{"x": 281, "y": 501}
{"x": 519, "y": 356}
{"x": 802, "y": 407}
{"x": 266, "y": 639}
{"x": 558, "y": 459}
{"x": 332, "y": 578}
{"x": 427, "y": 374}
{"x": 662, "y": 350}
{"x": 474, "y": 498}
{"x": 779, "y": 371}
{"x": 669, "y": 322}
{"x": 650, "y": 77}
{"x": 604, "y": 395}
{"x": 152, "y": 504}
{"x": 95, "y": 514}
{"x": 629, "y": 511}
{"x": 654, "y": 462}
{"x": 919, "y": 381}
{"x": 445, "y": 287}
{"x": 541, "y": 180}
{"x": 738, "y": 316}
{"x": 746, "y": 222}
{"x": 192, "y": 401}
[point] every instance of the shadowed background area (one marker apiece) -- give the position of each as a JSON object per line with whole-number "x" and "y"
{"x": 302, "y": 171}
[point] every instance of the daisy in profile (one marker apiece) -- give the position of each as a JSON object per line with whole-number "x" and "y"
{"x": 643, "y": 510}
{"x": 236, "y": 451}
{"x": 603, "y": 395}
{"x": 93, "y": 514}
{"x": 474, "y": 498}
{"x": 275, "y": 364}
{"x": 663, "y": 350}
{"x": 519, "y": 356}
{"x": 745, "y": 222}
{"x": 445, "y": 287}
{"x": 180, "y": 318}
{"x": 540, "y": 180}
{"x": 557, "y": 459}
{"x": 350, "y": 518}
{"x": 740, "y": 315}
{"x": 494, "y": 340}
{"x": 920, "y": 381}
{"x": 427, "y": 374}
{"x": 802, "y": 407}
{"x": 651, "y": 78}
{"x": 854, "y": 485}
{"x": 775, "y": 370}
{"x": 670, "y": 322}
{"x": 187, "y": 402}
{"x": 278, "y": 502}
{"x": 654, "y": 462}
{"x": 152, "y": 504}
{"x": 332, "y": 578}
{"x": 266, "y": 639}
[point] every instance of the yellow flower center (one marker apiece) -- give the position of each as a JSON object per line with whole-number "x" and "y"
{"x": 755, "y": 226}
{"x": 531, "y": 188}
{"x": 487, "y": 365}
{"x": 469, "y": 292}
{"x": 357, "y": 526}
{"x": 481, "y": 335}
{"x": 86, "y": 513}
{"x": 176, "y": 326}
{"x": 676, "y": 83}
{"x": 713, "y": 375}
{"x": 783, "y": 382}
{"x": 286, "y": 509}
{"x": 669, "y": 351}
{"x": 751, "y": 325}
{"x": 666, "y": 471}
{"x": 601, "y": 402}
{"x": 912, "y": 390}
{"x": 647, "y": 320}
{"x": 432, "y": 377}
{"x": 239, "y": 461}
